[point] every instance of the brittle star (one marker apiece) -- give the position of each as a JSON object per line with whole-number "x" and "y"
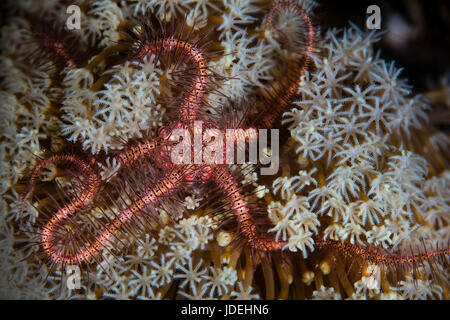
{"x": 176, "y": 175}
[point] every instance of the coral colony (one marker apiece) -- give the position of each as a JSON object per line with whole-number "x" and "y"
{"x": 136, "y": 163}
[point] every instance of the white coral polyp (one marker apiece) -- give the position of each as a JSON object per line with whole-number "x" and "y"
{"x": 124, "y": 108}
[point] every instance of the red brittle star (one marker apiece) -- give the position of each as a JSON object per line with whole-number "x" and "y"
{"x": 177, "y": 175}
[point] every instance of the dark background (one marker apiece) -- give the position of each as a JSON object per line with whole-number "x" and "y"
{"x": 417, "y": 38}
{"x": 423, "y": 52}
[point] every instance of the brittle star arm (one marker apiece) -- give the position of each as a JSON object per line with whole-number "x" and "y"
{"x": 228, "y": 185}
{"x": 165, "y": 186}
{"x": 192, "y": 100}
{"x": 134, "y": 153}
{"x": 92, "y": 180}
{"x": 377, "y": 257}
{"x": 281, "y": 101}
